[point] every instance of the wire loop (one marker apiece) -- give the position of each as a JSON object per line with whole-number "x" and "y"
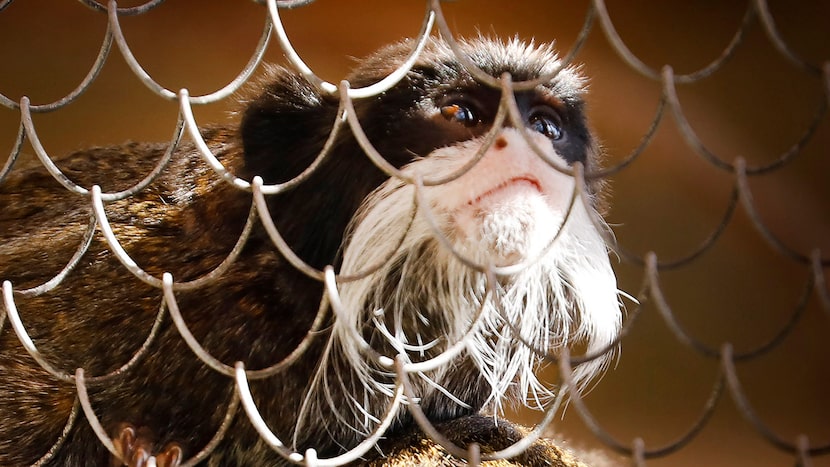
{"x": 402, "y": 364}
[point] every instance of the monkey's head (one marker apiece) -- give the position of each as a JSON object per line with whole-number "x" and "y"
{"x": 503, "y": 207}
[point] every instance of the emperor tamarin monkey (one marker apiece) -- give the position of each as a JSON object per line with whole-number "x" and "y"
{"x": 507, "y": 209}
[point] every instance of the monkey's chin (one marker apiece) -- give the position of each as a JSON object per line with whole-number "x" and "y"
{"x": 512, "y": 225}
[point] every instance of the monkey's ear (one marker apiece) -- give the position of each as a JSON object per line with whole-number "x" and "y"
{"x": 285, "y": 122}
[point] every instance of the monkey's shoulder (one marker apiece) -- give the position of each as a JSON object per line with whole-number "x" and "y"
{"x": 174, "y": 178}
{"x": 165, "y": 199}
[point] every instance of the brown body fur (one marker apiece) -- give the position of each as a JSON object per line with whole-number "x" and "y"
{"x": 42, "y": 225}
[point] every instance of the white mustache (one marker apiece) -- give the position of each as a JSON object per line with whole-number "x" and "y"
{"x": 424, "y": 300}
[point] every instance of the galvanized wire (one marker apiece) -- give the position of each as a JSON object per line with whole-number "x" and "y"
{"x": 816, "y": 262}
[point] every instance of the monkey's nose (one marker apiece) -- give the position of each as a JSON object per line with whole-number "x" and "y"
{"x": 500, "y": 143}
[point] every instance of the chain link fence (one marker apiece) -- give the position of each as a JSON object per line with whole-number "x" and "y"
{"x": 672, "y": 127}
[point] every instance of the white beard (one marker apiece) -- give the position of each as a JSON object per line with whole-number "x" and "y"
{"x": 424, "y": 299}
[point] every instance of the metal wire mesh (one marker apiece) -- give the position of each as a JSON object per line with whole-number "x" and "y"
{"x": 597, "y": 20}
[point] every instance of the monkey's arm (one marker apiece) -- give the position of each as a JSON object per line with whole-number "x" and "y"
{"x": 413, "y": 447}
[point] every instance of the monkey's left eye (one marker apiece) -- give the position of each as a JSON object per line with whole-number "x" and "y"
{"x": 546, "y": 122}
{"x": 460, "y": 113}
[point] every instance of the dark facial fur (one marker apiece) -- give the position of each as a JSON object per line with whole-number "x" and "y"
{"x": 187, "y": 221}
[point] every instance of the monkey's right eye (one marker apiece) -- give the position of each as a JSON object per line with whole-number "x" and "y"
{"x": 460, "y": 113}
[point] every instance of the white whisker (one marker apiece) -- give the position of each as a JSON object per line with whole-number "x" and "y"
{"x": 567, "y": 296}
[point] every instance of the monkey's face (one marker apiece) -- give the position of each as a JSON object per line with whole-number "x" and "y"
{"x": 508, "y": 206}
{"x": 509, "y": 201}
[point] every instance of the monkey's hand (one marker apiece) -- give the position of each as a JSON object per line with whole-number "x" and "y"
{"x": 412, "y": 447}
{"x": 136, "y": 447}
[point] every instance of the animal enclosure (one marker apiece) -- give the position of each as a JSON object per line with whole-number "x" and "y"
{"x": 714, "y": 122}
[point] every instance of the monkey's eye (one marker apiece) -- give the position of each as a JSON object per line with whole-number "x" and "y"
{"x": 546, "y": 122}
{"x": 460, "y": 112}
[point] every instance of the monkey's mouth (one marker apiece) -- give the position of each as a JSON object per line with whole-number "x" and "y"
{"x": 506, "y": 189}
{"x": 503, "y": 223}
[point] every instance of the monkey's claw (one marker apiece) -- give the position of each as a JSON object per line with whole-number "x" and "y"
{"x": 135, "y": 449}
{"x": 170, "y": 456}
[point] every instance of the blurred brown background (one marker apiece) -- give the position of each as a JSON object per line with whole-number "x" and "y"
{"x": 668, "y": 201}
